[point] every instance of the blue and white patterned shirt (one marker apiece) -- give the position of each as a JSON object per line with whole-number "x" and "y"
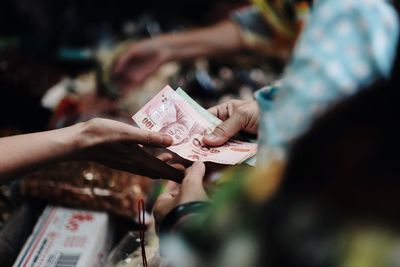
{"x": 345, "y": 45}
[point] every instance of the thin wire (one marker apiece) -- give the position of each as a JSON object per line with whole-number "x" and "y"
{"x": 142, "y": 227}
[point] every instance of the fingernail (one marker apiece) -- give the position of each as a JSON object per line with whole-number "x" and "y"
{"x": 213, "y": 137}
{"x": 197, "y": 165}
{"x": 166, "y": 140}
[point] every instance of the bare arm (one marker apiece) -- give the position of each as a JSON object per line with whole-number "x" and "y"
{"x": 108, "y": 142}
{"x": 143, "y": 58}
{"x": 222, "y": 38}
{"x": 22, "y": 153}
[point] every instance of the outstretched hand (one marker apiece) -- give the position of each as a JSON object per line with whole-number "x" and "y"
{"x": 112, "y": 143}
{"x": 119, "y": 145}
{"x": 139, "y": 62}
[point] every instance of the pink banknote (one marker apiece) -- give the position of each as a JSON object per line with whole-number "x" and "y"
{"x": 170, "y": 113}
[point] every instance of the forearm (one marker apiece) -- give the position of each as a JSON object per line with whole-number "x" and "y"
{"x": 22, "y": 153}
{"x": 223, "y": 38}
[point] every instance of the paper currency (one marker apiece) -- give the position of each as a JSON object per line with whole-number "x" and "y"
{"x": 175, "y": 113}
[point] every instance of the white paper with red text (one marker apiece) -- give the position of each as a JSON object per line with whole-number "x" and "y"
{"x": 66, "y": 237}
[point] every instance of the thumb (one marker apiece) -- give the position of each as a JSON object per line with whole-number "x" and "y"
{"x": 192, "y": 186}
{"x": 223, "y": 132}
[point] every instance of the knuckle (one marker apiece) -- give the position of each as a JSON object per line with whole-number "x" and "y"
{"x": 91, "y": 125}
{"x": 148, "y": 137}
{"x": 220, "y": 130}
{"x": 236, "y": 102}
{"x": 242, "y": 111}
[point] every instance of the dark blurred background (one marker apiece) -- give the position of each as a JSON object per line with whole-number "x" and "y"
{"x": 45, "y": 24}
{"x": 43, "y": 40}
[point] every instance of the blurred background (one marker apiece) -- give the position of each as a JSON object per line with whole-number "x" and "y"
{"x": 72, "y": 44}
{"x": 55, "y": 64}
{"x": 55, "y": 60}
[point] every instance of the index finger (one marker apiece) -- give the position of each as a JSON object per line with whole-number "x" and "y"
{"x": 224, "y": 110}
{"x": 149, "y": 138}
{"x": 156, "y": 168}
{"x": 220, "y": 111}
{"x": 192, "y": 185}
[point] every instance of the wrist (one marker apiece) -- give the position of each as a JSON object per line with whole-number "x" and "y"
{"x": 60, "y": 144}
{"x": 82, "y": 137}
{"x": 167, "y": 45}
{"x": 182, "y": 213}
{"x": 187, "y": 45}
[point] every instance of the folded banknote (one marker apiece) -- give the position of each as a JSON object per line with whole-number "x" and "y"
{"x": 176, "y": 114}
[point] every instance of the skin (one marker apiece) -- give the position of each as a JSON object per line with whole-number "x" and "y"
{"x": 237, "y": 115}
{"x": 190, "y": 190}
{"x": 142, "y": 59}
{"x": 177, "y": 130}
{"x": 114, "y": 144}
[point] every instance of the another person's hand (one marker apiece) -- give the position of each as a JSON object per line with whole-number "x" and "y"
{"x": 140, "y": 61}
{"x": 237, "y": 115}
{"x": 118, "y": 145}
{"x": 190, "y": 190}
{"x": 143, "y": 58}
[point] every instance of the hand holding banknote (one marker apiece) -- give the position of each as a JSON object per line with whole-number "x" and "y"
{"x": 237, "y": 115}
{"x": 111, "y": 143}
{"x": 176, "y": 114}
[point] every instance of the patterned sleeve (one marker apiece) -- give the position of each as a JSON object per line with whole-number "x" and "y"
{"x": 271, "y": 23}
{"x": 251, "y": 21}
{"x": 345, "y": 46}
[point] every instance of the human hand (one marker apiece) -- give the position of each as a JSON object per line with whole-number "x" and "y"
{"x": 237, "y": 115}
{"x": 140, "y": 61}
{"x": 170, "y": 159}
{"x": 119, "y": 145}
{"x": 190, "y": 190}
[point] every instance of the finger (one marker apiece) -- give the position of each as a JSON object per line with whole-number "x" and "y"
{"x": 192, "y": 186}
{"x": 171, "y": 186}
{"x": 142, "y": 163}
{"x": 124, "y": 132}
{"x": 128, "y": 156}
{"x": 149, "y": 138}
{"x": 178, "y": 166}
{"x": 158, "y": 169}
{"x": 213, "y": 110}
{"x": 174, "y": 192}
{"x": 194, "y": 173}
{"x": 151, "y": 169}
{"x": 165, "y": 157}
{"x": 169, "y": 158}
{"x": 164, "y": 203}
{"x": 224, "y": 110}
{"x": 223, "y": 132}
{"x": 220, "y": 111}
{"x": 165, "y": 197}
